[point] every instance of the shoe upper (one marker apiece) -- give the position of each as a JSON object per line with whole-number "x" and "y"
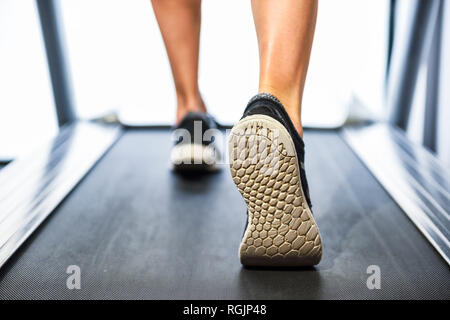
{"x": 192, "y": 122}
{"x": 269, "y": 105}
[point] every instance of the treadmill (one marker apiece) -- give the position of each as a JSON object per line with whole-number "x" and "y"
{"x": 101, "y": 197}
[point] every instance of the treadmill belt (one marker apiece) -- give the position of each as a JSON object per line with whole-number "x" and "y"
{"x": 139, "y": 231}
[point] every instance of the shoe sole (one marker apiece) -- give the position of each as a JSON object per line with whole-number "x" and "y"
{"x": 193, "y": 157}
{"x": 281, "y": 229}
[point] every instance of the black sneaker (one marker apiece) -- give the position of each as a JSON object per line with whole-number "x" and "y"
{"x": 267, "y": 165}
{"x": 195, "y": 147}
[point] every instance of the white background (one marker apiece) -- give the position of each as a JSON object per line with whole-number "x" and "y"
{"x": 118, "y": 63}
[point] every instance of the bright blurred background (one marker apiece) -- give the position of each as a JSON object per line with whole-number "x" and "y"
{"x": 118, "y": 63}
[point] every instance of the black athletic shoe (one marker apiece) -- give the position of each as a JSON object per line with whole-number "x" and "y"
{"x": 267, "y": 165}
{"x": 195, "y": 147}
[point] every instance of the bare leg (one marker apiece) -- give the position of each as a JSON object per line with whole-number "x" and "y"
{"x": 179, "y": 22}
{"x": 285, "y": 30}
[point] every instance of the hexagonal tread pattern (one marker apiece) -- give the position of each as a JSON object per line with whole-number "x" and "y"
{"x": 281, "y": 230}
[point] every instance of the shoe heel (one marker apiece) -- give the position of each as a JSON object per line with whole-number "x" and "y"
{"x": 281, "y": 230}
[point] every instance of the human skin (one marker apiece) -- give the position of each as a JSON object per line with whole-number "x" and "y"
{"x": 285, "y": 32}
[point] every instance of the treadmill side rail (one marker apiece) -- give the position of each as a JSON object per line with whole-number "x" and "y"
{"x": 33, "y": 186}
{"x": 412, "y": 176}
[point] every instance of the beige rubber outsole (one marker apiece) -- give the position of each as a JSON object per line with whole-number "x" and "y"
{"x": 281, "y": 229}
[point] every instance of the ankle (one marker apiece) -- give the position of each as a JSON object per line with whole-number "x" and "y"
{"x": 296, "y": 120}
{"x": 192, "y": 103}
{"x": 290, "y": 99}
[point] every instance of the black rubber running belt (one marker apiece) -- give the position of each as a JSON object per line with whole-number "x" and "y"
{"x": 137, "y": 230}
